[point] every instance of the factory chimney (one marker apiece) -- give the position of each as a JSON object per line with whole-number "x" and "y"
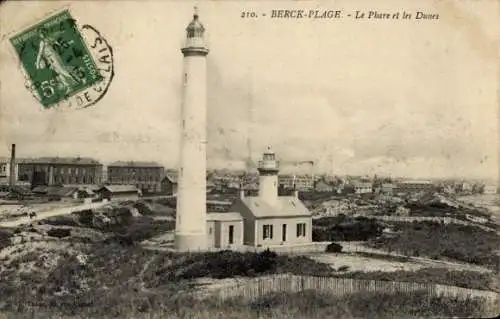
{"x": 12, "y": 173}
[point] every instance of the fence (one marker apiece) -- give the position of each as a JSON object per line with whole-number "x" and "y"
{"x": 258, "y": 287}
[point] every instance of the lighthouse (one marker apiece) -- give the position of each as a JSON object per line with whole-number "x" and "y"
{"x": 190, "y": 227}
{"x": 268, "y": 177}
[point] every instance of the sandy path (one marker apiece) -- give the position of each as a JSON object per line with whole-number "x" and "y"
{"x": 50, "y": 213}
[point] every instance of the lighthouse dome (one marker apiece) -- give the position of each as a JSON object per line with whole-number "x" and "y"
{"x": 195, "y": 29}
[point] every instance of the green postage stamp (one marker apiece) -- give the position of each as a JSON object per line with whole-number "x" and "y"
{"x": 57, "y": 61}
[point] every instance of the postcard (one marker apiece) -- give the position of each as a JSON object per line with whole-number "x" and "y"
{"x": 249, "y": 159}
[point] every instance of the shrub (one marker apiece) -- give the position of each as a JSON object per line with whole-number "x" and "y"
{"x": 5, "y": 236}
{"x": 85, "y": 217}
{"x": 143, "y": 209}
{"x": 60, "y": 221}
{"x": 343, "y": 229}
{"x": 59, "y": 232}
{"x": 343, "y": 268}
{"x": 228, "y": 264}
{"x": 334, "y": 248}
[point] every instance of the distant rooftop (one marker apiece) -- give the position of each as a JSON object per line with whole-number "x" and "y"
{"x": 60, "y": 160}
{"x": 416, "y": 182}
{"x": 134, "y": 164}
{"x": 120, "y": 188}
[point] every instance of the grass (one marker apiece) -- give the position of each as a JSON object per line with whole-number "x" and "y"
{"x": 305, "y": 304}
{"x": 435, "y": 240}
{"x": 110, "y": 285}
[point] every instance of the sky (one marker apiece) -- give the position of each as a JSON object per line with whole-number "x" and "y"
{"x": 415, "y": 98}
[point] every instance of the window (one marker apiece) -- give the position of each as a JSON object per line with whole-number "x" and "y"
{"x": 231, "y": 234}
{"x": 301, "y": 230}
{"x": 210, "y": 231}
{"x": 267, "y": 232}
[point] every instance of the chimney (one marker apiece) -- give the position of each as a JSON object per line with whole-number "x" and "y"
{"x": 242, "y": 192}
{"x": 51, "y": 175}
{"x": 12, "y": 173}
{"x": 295, "y": 191}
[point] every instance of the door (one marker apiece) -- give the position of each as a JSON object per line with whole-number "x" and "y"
{"x": 283, "y": 233}
{"x": 231, "y": 234}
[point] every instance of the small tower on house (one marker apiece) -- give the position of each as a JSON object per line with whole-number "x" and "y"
{"x": 190, "y": 225}
{"x": 268, "y": 177}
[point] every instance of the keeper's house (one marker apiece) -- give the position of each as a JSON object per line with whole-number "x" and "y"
{"x": 269, "y": 219}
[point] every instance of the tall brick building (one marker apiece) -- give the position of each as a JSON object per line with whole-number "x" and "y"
{"x": 60, "y": 170}
{"x": 146, "y": 176}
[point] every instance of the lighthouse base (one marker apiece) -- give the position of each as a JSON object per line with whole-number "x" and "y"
{"x": 191, "y": 242}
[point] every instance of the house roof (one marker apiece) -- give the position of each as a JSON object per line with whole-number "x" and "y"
{"x": 171, "y": 177}
{"x": 210, "y": 184}
{"x": 119, "y": 188}
{"x": 286, "y": 206}
{"x": 20, "y": 190}
{"x": 251, "y": 186}
{"x": 92, "y": 187}
{"x": 60, "y": 160}
{"x": 88, "y": 191}
{"x": 416, "y": 182}
{"x": 61, "y": 191}
{"x": 362, "y": 184}
{"x": 388, "y": 185}
{"x": 229, "y": 216}
{"x": 40, "y": 189}
{"x": 134, "y": 164}
{"x": 322, "y": 183}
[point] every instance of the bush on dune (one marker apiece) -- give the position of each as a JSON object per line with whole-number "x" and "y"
{"x": 5, "y": 236}
{"x": 229, "y": 264}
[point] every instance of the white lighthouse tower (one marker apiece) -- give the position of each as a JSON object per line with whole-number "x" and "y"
{"x": 268, "y": 177}
{"x": 190, "y": 228}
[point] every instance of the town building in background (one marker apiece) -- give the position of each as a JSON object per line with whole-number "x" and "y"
{"x": 146, "y": 176}
{"x": 4, "y": 170}
{"x": 362, "y": 187}
{"x": 415, "y": 186}
{"x": 387, "y": 188}
{"x": 490, "y": 189}
{"x": 303, "y": 183}
{"x": 60, "y": 171}
{"x": 169, "y": 183}
{"x": 322, "y": 186}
